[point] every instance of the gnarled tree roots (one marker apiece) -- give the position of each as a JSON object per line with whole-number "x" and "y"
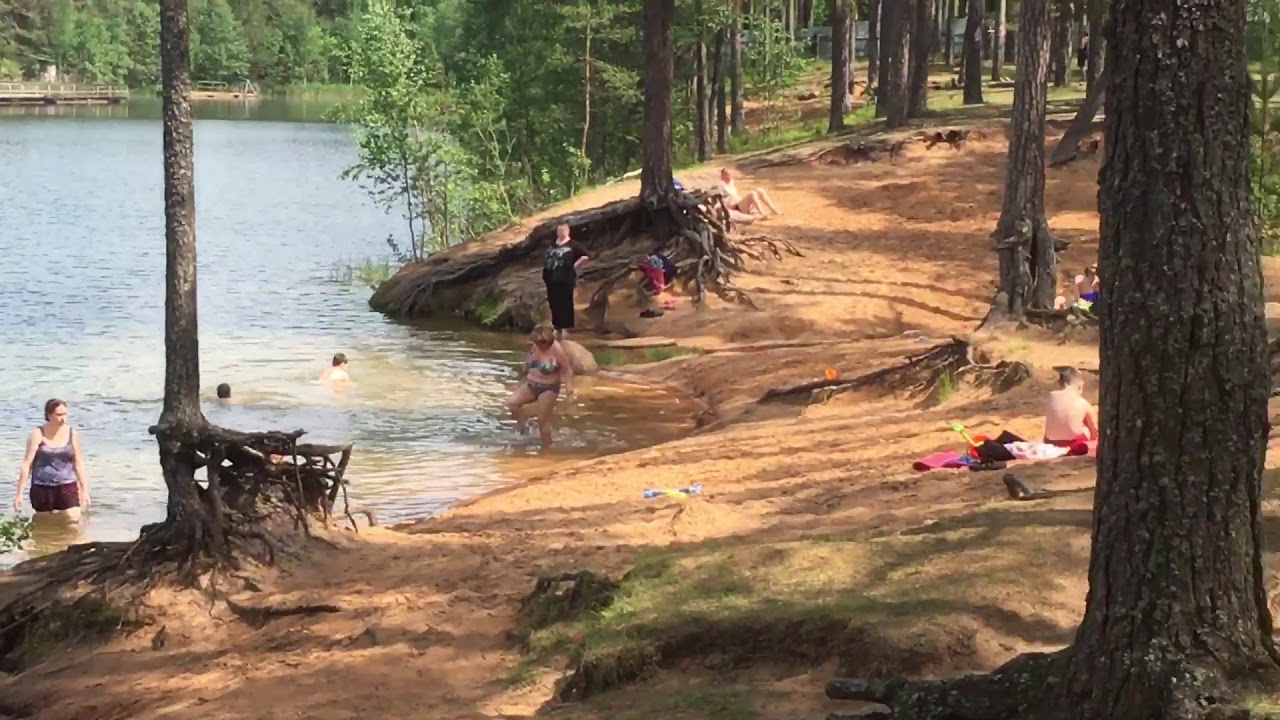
{"x": 1040, "y": 686}
{"x": 950, "y": 363}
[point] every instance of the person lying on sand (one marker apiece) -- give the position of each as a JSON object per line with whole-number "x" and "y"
{"x": 1069, "y": 420}
{"x": 753, "y": 204}
{"x": 337, "y": 372}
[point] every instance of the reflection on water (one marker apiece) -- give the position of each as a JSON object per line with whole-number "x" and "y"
{"x": 145, "y": 107}
{"x": 82, "y": 293}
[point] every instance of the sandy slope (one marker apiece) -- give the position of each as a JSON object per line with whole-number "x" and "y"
{"x": 425, "y": 614}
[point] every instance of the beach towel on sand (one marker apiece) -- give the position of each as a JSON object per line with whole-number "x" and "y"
{"x": 948, "y": 459}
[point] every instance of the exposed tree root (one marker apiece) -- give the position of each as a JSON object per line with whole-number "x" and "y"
{"x": 920, "y": 374}
{"x": 258, "y": 617}
{"x": 1021, "y": 684}
{"x": 550, "y": 602}
{"x": 693, "y": 230}
{"x": 254, "y": 481}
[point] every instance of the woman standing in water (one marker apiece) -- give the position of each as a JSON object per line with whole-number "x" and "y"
{"x": 54, "y": 464}
{"x": 560, "y": 275}
{"x": 545, "y": 368}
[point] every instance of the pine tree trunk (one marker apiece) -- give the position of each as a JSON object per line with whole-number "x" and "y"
{"x": 921, "y": 50}
{"x": 839, "y": 12}
{"x": 659, "y": 71}
{"x": 718, "y": 72}
{"x": 1097, "y": 42}
{"x": 973, "y": 52}
{"x": 873, "y": 44}
{"x": 737, "y": 116}
{"x": 188, "y": 522}
{"x": 1025, "y": 247}
{"x": 851, "y": 45}
{"x": 702, "y": 97}
{"x": 1176, "y": 576}
{"x": 997, "y": 43}
{"x": 948, "y": 37}
{"x": 893, "y": 99}
{"x": 1060, "y": 46}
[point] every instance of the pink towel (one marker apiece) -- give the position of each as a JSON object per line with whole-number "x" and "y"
{"x": 938, "y": 460}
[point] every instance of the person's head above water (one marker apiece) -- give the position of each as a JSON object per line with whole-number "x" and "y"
{"x": 224, "y": 391}
{"x": 1070, "y": 377}
{"x": 544, "y": 336}
{"x": 55, "y": 411}
{"x": 339, "y": 360}
{"x": 562, "y": 233}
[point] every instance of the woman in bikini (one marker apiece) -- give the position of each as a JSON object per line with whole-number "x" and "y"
{"x": 55, "y": 466}
{"x": 546, "y": 367}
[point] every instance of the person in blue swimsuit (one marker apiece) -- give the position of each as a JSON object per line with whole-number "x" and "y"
{"x": 54, "y": 464}
{"x": 546, "y": 368}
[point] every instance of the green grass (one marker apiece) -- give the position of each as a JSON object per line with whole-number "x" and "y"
{"x": 616, "y": 357}
{"x": 489, "y": 311}
{"x": 946, "y": 386}
{"x": 335, "y": 93}
{"x": 895, "y": 594}
{"x": 367, "y": 272}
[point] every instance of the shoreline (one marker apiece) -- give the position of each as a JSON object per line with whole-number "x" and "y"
{"x": 814, "y": 546}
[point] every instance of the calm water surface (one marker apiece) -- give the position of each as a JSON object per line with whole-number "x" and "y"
{"x": 81, "y": 293}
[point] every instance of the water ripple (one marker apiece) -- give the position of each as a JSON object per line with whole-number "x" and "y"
{"x": 82, "y": 297}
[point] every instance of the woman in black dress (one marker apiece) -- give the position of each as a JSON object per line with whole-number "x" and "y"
{"x": 560, "y": 275}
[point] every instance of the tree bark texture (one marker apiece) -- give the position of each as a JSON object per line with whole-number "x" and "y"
{"x": 718, "y": 67}
{"x": 851, "y": 45}
{"x": 873, "y": 43}
{"x": 839, "y": 11}
{"x": 997, "y": 42}
{"x": 187, "y": 517}
{"x": 1097, "y": 42}
{"x": 703, "y": 99}
{"x": 921, "y": 50}
{"x": 1177, "y": 604}
{"x": 659, "y": 63}
{"x": 1025, "y": 247}
{"x": 895, "y": 86}
{"x": 737, "y": 115}
{"x": 1060, "y": 46}
{"x": 973, "y": 53}
{"x": 181, "y": 333}
{"x": 948, "y": 38}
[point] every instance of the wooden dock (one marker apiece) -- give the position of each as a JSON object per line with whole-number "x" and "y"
{"x": 61, "y": 94}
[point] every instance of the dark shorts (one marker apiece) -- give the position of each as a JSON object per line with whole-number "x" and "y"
{"x": 47, "y": 498}
{"x": 560, "y": 300}
{"x": 538, "y": 388}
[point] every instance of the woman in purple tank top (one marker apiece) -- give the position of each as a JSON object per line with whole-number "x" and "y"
{"x": 55, "y": 466}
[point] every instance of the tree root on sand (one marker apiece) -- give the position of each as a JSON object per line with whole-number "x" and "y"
{"x": 1044, "y": 686}
{"x": 920, "y": 374}
{"x": 260, "y": 493}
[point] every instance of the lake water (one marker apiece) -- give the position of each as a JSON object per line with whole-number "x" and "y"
{"x": 81, "y": 318}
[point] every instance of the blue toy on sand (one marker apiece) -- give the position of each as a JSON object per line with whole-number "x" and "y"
{"x": 675, "y": 493}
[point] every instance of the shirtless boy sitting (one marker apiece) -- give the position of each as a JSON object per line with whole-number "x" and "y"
{"x": 753, "y": 204}
{"x": 1069, "y": 420}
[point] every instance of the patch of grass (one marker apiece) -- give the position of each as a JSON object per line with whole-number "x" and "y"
{"x": 489, "y": 311}
{"x": 615, "y": 357}
{"x": 888, "y": 600}
{"x": 711, "y": 703}
{"x": 326, "y": 92}
{"x": 14, "y": 531}
{"x": 946, "y": 385}
{"x": 368, "y": 272}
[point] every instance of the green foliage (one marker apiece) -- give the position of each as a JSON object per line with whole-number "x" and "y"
{"x": 1263, "y": 43}
{"x": 14, "y": 531}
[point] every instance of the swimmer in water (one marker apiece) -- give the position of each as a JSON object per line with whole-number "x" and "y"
{"x": 224, "y": 394}
{"x": 337, "y": 372}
